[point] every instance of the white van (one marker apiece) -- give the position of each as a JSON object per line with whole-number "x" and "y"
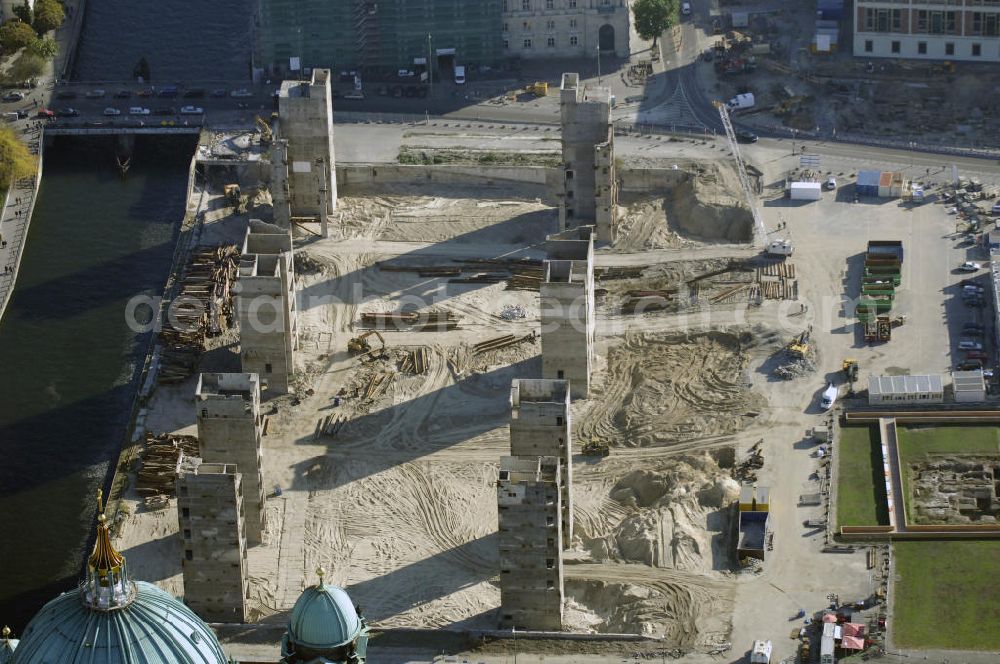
{"x": 460, "y": 74}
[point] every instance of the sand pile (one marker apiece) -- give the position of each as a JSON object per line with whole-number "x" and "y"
{"x": 706, "y": 206}
{"x": 642, "y": 225}
{"x": 663, "y": 517}
{"x": 663, "y": 389}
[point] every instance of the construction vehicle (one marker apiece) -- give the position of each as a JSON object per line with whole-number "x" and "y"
{"x": 359, "y": 345}
{"x": 538, "y": 88}
{"x": 236, "y": 198}
{"x": 799, "y": 346}
{"x": 266, "y": 135}
{"x": 741, "y": 171}
{"x": 761, "y": 652}
{"x": 595, "y": 448}
{"x": 781, "y": 247}
{"x": 850, "y": 369}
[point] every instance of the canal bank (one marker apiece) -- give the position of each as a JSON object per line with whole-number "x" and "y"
{"x": 70, "y": 363}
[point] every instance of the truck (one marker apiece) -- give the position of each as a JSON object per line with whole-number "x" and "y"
{"x": 761, "y": 652}
{"x": 745, "y": 100}
{"x": 805, "y": 191}
{"x": 780, "y": 247}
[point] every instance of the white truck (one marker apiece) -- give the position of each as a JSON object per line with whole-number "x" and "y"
{"x": 779, "y": 248}
{"x": 761, "y": 652}
{"x": 742, "y": 101}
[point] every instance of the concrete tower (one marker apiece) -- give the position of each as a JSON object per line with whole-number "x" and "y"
{"x": 590, "y": 192}
{"x": 305, "y": 112}
{"x": 567, "y": 304}
{"x": 229, "y": 432}
{"x": 265, "y": 305}
{"x": 211, "y": 518}
{"x": 540, "y": 427}
{"x": 530, "y": 525}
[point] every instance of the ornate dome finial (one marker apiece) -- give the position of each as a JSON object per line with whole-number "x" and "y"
{"x": 320, "y": 572}
{"x": 104, "y": 559}
{"x": 107, "y": 585}
{"x": 6, "y": 633}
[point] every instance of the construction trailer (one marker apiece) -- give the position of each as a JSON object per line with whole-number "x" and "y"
{"x": 805, "y": 191}
{"x": 920, "y": 389}
{"x": 754, "y": 513}
{"x": 969, "y": 386}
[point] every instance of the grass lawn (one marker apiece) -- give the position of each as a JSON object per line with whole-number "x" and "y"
{"x": 946, "y": 595}
{"x": 861, "y": 497}
{"x": 916, "y": 442}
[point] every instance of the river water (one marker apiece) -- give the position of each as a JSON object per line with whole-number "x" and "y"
{"x": 67, "y": 358}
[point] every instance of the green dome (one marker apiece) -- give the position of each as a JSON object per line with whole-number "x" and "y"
{"x": 151, "y": 628}
{"x": 323, "y": 617}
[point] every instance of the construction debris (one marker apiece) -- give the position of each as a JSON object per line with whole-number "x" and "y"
{"x": 202, "y": 309}
{"x": 500, "y": 342}
{"x": 746, "y": 470}
{"x": 414, "y": 321}
{"x": 414, "y": 361}
{"x": 162, "y": 459}
{"x": 513, "y": 312}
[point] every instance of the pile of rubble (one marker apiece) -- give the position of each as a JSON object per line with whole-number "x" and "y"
{"x": 794, "y": 366}
{"x": 746, "y": 470}
{"x": 513, "y": 312}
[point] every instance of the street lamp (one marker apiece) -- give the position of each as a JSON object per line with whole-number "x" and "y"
{"x": 598, "y": 64}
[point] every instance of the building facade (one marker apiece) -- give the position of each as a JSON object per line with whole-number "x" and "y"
{"x": 565, "y": 28}
{"x": 377, "y": 36}
{"x": 966, "y": 30}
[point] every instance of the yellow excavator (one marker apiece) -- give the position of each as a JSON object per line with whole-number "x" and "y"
{"x": 359, "y": 345}
{"x": 266, "y": 135}
{"x": 799, "y": 346}
{"x": 850, "y": 369}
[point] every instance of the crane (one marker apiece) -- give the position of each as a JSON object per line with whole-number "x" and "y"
{"x": 741, "y": 171}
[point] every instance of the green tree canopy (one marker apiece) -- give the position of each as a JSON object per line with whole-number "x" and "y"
{"x": 46, "y": 48}
{"x": 15, "y": 160}
{"x": 49, "y": 15}
{"x": 27, "y": 65}
{"x": 652, "y": 17}
{"x": 15, "y": 34}
{"x": 24, "y": 12}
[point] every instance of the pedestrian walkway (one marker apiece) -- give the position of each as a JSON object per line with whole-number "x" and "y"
{"x": 16, "y": 215}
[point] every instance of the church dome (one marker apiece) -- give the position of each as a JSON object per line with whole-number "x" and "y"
{"x": 111, "y": 619}
{"x": 323, "y": 617}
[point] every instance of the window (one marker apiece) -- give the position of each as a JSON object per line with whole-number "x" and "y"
{"x": 573, "y": 41}
{"x": 268, "y": 368}
{"x": 550, "y": 563}
{"x": 506, "y": 27}
{"x": 895, "y": 47}
{"x": 869, "y": 46}
{"x": 185, "y": 513}
{"x": 527, "y": 43}
{"x": 550, "y": 584}
{"x": 526, "y": 26}
{"x": 549, "y": 4}
{"x": 506, "y": 44}
{"x": 572, "y": 23}
{"x": 187, "y": 533}
{"x": 550, "y": 25}
{"x": 883, "y": 20}
{"x": 559, "y": 420}
{"x": 188, "y": 554}
{"x": 949, "y": 48}
{"x": 922, "y": 48}
{"x": 525, "y": 5}
{"x": 571, "y": 4}
{"x": 549, "y": 521}
{"x": 505, "y": 6}
{"x": 562, "y": 374}
{"x": 977, "y": 50}
{"x": 569, "y": 175}
{"x": 551, "y": 42}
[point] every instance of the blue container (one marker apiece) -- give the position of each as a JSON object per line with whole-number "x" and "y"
{"x": 867, "y": 184}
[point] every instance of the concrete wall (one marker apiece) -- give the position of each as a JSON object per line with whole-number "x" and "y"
{"x": 211, "y": 519}
{"x": 564, "y": 29}
{"x": 306, "y": 123}
{"x": 540, "y": 426}
{"x": 644, "y": 180}
{"x": 589, "y": 192}
{"x": 414, "y": 173}
{"x": 566, "y": 297}
{"x": 266, "y": 306}
{"x": 229, "y": 431}
{"x": 531, "y": 573}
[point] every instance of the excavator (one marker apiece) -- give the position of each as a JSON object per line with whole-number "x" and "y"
{"x": 236, "y": 198}
{"x": 799, "y": 346}
{"x": 266, "y": 135}
{"x": 359, "y": 345}
{"x": 850, "y": 369}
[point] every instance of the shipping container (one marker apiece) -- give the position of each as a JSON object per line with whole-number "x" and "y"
{"x": 806, "y": 191}
{"x": 867, "y": 183}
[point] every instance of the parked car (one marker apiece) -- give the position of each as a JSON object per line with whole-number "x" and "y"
{"x": 45, "y": 113}
{"x": 830, "y": 184}
{"x": 996, "y": 208}
{"x": 68, "y": 113}
{"x": 685, "y": 8}
{"x": 242, "y": 92}
{"x": 970, "y": 344}
{"x": 138, "y": 110}
{"x": 167, "y": 92}
{"x": 219, "y": 92}
{"x": 147, "y": 92}
{"x": 194, "y": 93}
{"x": 976, "y": 355}
{"x": 969, "y": 266}
{"x": 829, "y": 396}
{"x": 969, "y": 365}
{"x": 95, "y": 94}
{"x": 13, "y": 96}
{"x": 192, "y": 110}
{"x": 405, "y": 73}
{"x": 746, "y": 136}
{"x": 123, "y": 94}
{"x": 66, "y": 94}
{"x": 166, "y": 110}
{"x": 112, "y": 111}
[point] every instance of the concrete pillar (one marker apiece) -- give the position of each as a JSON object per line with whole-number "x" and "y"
{"x": 531, "y": 570}
{"x": 211, "y": 519}
{"x": 229, "y": 431}
{"x": 589, "y": 193}
{"x": 279, "y": 184}
{"x": 567, "y": 310}
{"x": 540, "y": 427}
{"x": 266, "y": 306}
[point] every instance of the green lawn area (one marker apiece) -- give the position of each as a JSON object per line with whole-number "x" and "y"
{"x": 946, "y": 594}
{"x": 916, "y": 442}
{"x": 860, "y": 486}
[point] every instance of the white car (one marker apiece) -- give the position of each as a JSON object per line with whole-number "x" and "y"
{"x": 969, "y": 266}
{"x": 830, "y": 184}
{"x": 192, "y": 110}
{"x": 242, "y": 92}
{"x": 138, "y": 110}
{"x": 685, "y": 8}
{"x": 112, "y": 111}
{"x": 405, "y": 73}
{"x": 829, "y": 396}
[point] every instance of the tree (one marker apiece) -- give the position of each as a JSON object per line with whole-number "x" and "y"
{"x": 652, "y": 17}
{"x": 25, "y": 13}
{"x": 45, "y": 47}
{"x": 28, "y": 65}
{"x": 49, "y": 15}
{"x": 15, "y": 160}
{"x": 15, "y": 34}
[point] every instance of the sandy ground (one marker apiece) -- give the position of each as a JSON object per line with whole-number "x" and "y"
{"x": 400, "y": 505}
